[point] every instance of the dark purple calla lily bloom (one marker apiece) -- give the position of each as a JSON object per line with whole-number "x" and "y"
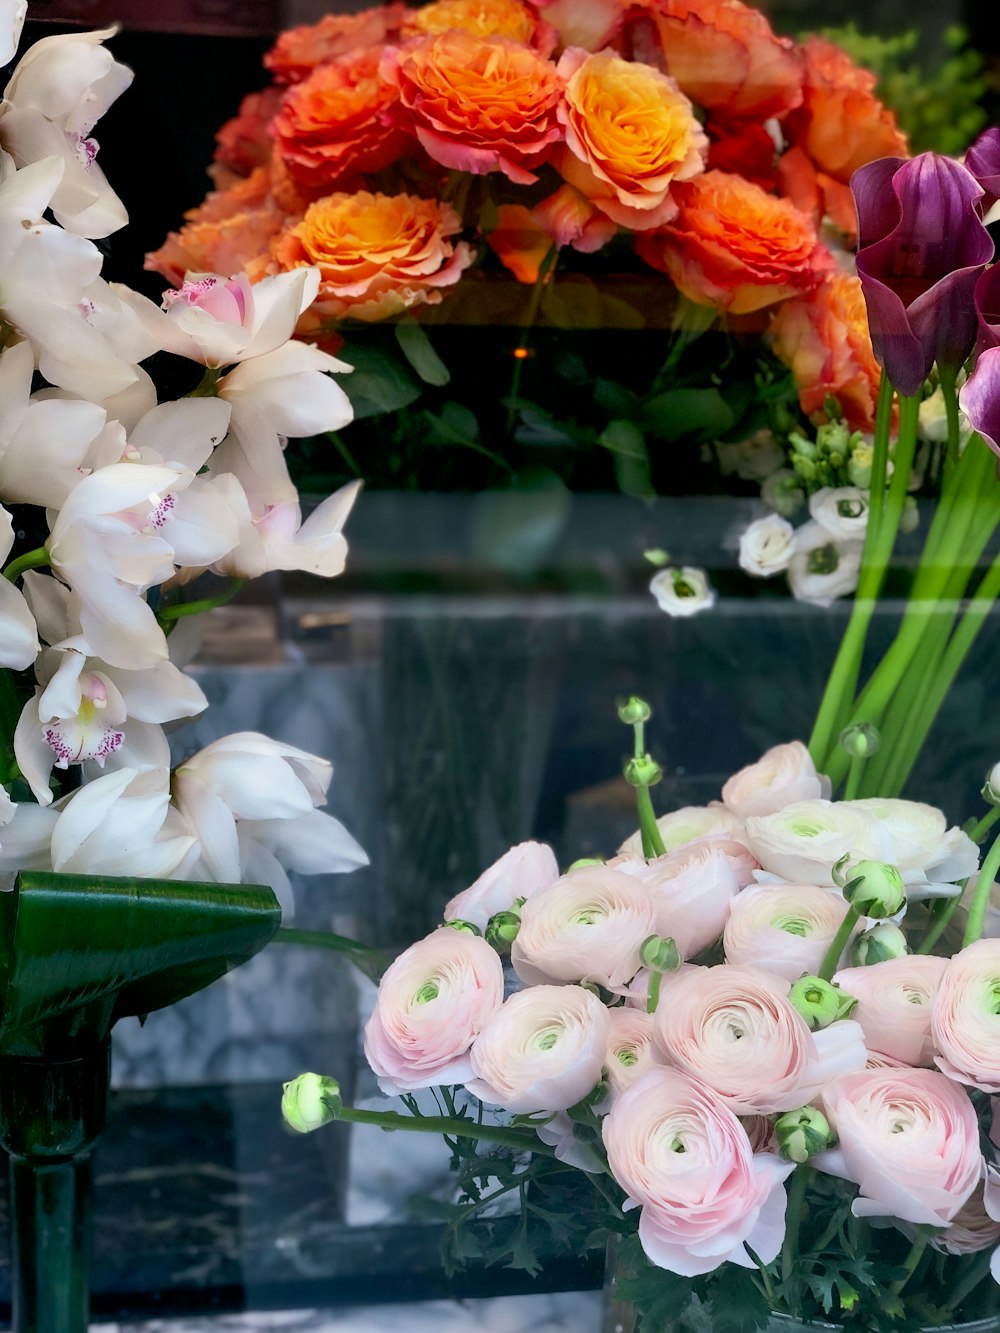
{"x": 987, "y": 302}
{"x": 979, "y": 397}
{"x": 921, "y": 247}
{"x": 983, "y": 160}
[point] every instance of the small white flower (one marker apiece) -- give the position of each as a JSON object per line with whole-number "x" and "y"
{"x": 682, "y": 592}
{"x": 767, "y": 546}
{"x": 823, "y": 568}
{"x": 753, "y": 459}
{"x": 783, "y": 492}
{"x": 842, "y": 511}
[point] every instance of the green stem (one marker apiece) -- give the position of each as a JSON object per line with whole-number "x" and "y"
{"x": 372, "y": 962}
{"x": 653, "y": 991}
{"x": 652, "y": 841}
{"x": 912, "y": 1259}
{"x": 169, "y": 613}
{"x": 838, "y": 944}
{"x": 206, "y": 385}
{"x": 530, "y": 316}
{"x": 36, "y": 559}
{"x": 949, "y": 393}
{"x": 939, "y": 924}
{"x": 853, "y": 783}
{"x": 981, "y": 895}
{"x": 456, "y": 1127}
{"x": 977, "y": 1271}
{"x": 793, "y": 1219}
{"x": 979, "y": 831}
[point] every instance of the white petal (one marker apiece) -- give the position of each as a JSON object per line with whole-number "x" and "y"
{"x": 159, "y": 694}
{"x": 288, "y": 391}
{"x": 19, "y": 644}
{"x": 84, "y": 812}
{"x": 210, "y": 819}
{"x": 183, "y": 432}
{"x": 12, "y": 14}
{"x": 313, "y": 844}
{"x": 278, "y": 302}
{"x": 48, "y": 601}
{"x": 34, "y": 757}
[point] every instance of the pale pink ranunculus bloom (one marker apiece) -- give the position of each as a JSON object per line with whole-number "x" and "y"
{"x": 802, "y": 842}
{"x": 895, "y": 1000}
{"x": 972, "y": 1228}
{"x": 735, "y": 1030}
{"x": 542, "y": 1051}
{"x": 692, "y": 889}
{"x": 685, "y": 1159}
{"x": 784, "y": 928}
{"x": 636, "y": 993}
{"x": 432, "y": 1003}
{"x": 965, "y": 1023}
{"x": 519, "y": 873}
{"x": 687, "y": 824}
{"x": 908, "y": 1138}
{"x": 630, "y": 1048}
{"x": 786, "y": 773}
{"x": 587, "y": 926}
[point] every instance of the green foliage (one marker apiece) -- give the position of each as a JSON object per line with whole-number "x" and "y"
{"x": 939, "y": 109}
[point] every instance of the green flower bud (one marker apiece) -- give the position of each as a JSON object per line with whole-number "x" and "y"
{"x": 879, "y": 944}
{"x": 660, "y": 953}
{"x": 634, "y": 710}
{"x": 783, "y": 492}
{"x": 801, "y": 447}
{"x": 860, "y": 741}
{"x": 657, "y": 556}
{"x": 586, "y": 861}
{"x": 909, "y": 519}
{"x": 833, "y": 438}
{"x": 467, "y": 927}
{"x": 805, "y": 467}
{"x": 310, "y": 1101}
{"x": 802, "y": 1134}
{"x": 820, "y": 1002}
{"x": 644, "y": 772}
{"x": 875, "y": 889}
{"x": 991, "y": 787}
{"x": 859, "y": 466}
{"x": 501, "y": 930}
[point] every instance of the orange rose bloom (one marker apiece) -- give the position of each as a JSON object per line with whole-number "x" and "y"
{"x": 244, "y": 142}
{"x": 523, "y": 237}
{"x": 331, "y": 125}
{"x": 298, "y": 51}
{"x": 735, "y": 247}
{"x": 377, "y": 255}
{"x": 824, "y": 341}
{"x": 483, "y": 18}
{"x": 725, "y": 57}
{"x": 630, "y": 134}
{"x": 224, "y": 234}
{"x": 477, "y": 104}
{"x": 841, "y": 124}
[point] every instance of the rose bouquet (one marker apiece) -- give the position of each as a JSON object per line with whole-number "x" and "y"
{"x": 684, "y": 149}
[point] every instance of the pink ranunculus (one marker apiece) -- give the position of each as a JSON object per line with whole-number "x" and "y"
{"x": 517, "y": 874}
{"x": 971, "y": 1229}
{"x": 688, "y": 823}
{"x": 965, "y": 1022}
{"x": 542, "y": 1051}
{"x": 803, "y": 841}
{"x": 432, "y": 1003}
{"x": 685, "y": 1159}
{"x": 588, "y": 926}
{"x": 735, "y": 1030}
{"x": 630, "y": 1048}
{"x": 908, "y": 1138}
{"x": 786, "y": 773}
{"x": 784, "y": 928}
{"x": 636, "y": 993}
{"x": 895, "y": 1000}
{"x": 692, "y": 889}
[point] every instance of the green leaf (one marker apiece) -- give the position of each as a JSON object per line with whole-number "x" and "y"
{"x": 658, "y": 1295}
{"x": 378, "y": 383}
{"x": 416, "y": 347}
{"x": 628, "y": 444}
{"x": 79, "y": 952}
{"x": 684, "y": 411}
{"x": 736, "y": 1302}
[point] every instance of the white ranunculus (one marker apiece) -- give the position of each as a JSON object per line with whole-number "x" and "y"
{"x": 682, "y": 592}
{"x": 802, "y": 842}
{"x": 785, "y": 928}
{"x": 519, "y": 873}
{"x": 767, "y": 546}
{"x": 823, "y": 568}
{"x": 784, "y": 774}
{"x": 688, "y": 823}
{"x": 842, "y": 511}
{"x": 930, "y": 856}
{"x": 630, "y": 1048}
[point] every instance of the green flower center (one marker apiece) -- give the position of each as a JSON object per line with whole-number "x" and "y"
{"x": 427, "y": 992}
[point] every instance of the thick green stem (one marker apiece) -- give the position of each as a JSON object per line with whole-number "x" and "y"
{"x": 981, "y": 895}
{"x": 853, "y": 785}
{"x": 372, "y": 962}
{"x": 180, "y": 609}
{"x": 980, "y": 830}
{"x": 36, "y": 559}
{"x": 793, "y": 1219}
{"x": 912, "y": 1259}
{"x": 837, "y": 945}
{"x": 949, "y": 393}
{"x": 652, "y": 841}
{"x": 939, "y": 923}
{"x": 206, "y": 386}
{"x": 455, "y": 1127}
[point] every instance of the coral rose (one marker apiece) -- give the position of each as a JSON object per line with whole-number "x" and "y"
{"x": 483, "y": 18}
{"x": 332, "y": 124}
{"x": 735, "y": 247}
{"x": 630, "y": 134}
{"x": 432, "y": 1003}
{"x": 895, "y": 999}
{"x": 477, "y": 104}
{"x": 841, "y": 124}
{"x": 908, "y": 1138}
{"x": 726, "y": 58}
{"x": 686, "y": 1160}
{"x": 377, "y": 254}
{"x": 243, "y": 142}
{"x": 523, "y": 238}
{"x": 966, "y": 1016}
{"x": 298, "y": 51}
{"x": 517, "y": 874}
{"x": 786, "y": 773}
{"x": 824, "y": 341}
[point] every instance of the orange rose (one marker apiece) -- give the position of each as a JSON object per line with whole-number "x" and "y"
{"x": 523, "y": 237}
{"x": 244, "y": 142}
{"x": 224, "y": 234}
{"x": 824, "y": 341}
{"x": 746, "y": 149}
{"x": 816, "y": 193}
{"x": 725, "y": 57}
{"x": 841, "y": 124}
{"x": 298, "y": 51}
{"x": 477, "y": 104}
{"x": 630, "y": 134}
{"x": 483, "y": 18}
{"x": 735, "y": 247}
{"x": 377, "y": 255}
{"x": 331, "y": 125}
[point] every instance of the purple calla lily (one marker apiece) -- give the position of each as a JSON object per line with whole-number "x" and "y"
{"x": 980, "y": 397}
{"x": 922, "y": 246}
{"x": 983, "y": 160}
{"x": 987, "y": 302}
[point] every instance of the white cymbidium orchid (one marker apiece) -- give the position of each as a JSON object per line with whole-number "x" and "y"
{"x": 12, "y": 14}
{"x": 287, "y": 392}
{"x": 59, "y": 89}
{"x": 249, "y": 801}
{"x": 273, "y": 536}
{"x": 18, "y": 635}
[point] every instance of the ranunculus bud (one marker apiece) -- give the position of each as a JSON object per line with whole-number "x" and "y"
{"x": 876, "y": 889}
{"x": 643, "y": 772}
{"x": 819, "y": 1002}
{"x": 991, "y": 788}
{"x": 879, "y": 944}
{"x": 501, "y": 930}
{"x": 310, "y": 1101}
{"x": 860, "y": 741}
{"x": 469, "y": 927}
{"x": 634, "y": 710}
{"x": 660, "y": 953}
{"x": 802, "y": 1134}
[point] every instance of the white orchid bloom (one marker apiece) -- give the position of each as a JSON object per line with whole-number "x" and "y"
{"x": 274, "y": 536}
{"x": 219, "y": 321}
{"x": 18, "y": 635}
{"x": 288, "y": 392}
{"x": 61, "y": 86}
{"x": 12, "y": 14}
{"x": 45, "y": 276}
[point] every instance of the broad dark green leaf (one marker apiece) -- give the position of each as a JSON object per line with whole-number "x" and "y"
{"x": 627, "y": 442}
{"x": 79, "y": 952}
{"x": 379, "y": 383}
{"x": 416, "y": 347}
{"x": 684, "y": 411}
